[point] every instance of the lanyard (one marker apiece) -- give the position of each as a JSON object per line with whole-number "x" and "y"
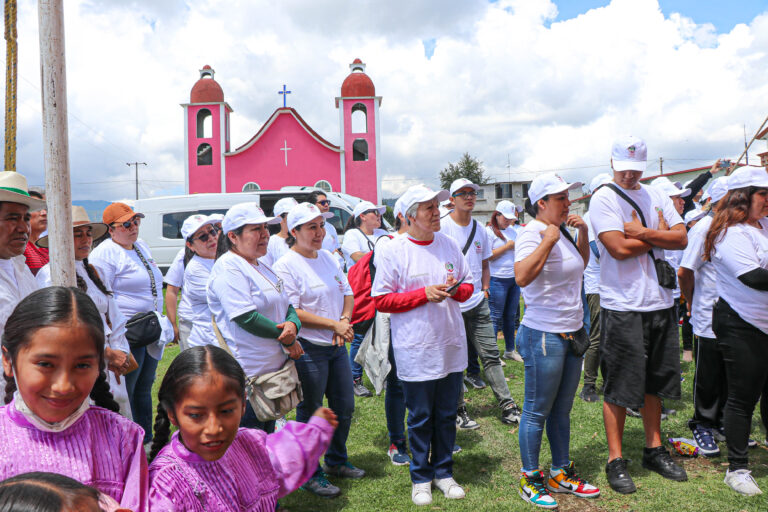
{"x": 151, "y": 274}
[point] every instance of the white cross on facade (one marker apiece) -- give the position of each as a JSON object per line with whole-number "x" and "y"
{"x": 286, "y": 149}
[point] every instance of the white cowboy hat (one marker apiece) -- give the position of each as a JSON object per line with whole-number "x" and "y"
{"x": 13, "y": 189}
{"x": 79, "y": 218}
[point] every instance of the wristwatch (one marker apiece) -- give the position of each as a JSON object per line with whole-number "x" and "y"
{"x": 345, "y": 317}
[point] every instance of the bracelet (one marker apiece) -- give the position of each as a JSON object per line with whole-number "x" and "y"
{"x": 345, "y": 317}
{"x": 289, "y": 345}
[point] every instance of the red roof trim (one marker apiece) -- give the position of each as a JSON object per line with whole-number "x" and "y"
{"x": 302, "y": 123}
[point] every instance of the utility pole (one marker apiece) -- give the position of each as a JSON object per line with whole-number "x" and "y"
{"x": 136, "y": 165}
{"x": 661, "y": 166}
{"x": 745, "y": 143}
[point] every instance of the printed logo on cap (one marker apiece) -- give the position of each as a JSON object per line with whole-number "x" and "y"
{"x": 631, "y": 150}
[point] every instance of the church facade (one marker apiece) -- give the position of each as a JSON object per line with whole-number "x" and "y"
{"x": 286, "y": 151}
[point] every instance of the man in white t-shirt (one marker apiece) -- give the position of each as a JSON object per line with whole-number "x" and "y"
{"x": 472, "y": 238}
{"x": 16, "y": 280}
{"x": 639, "y": 343}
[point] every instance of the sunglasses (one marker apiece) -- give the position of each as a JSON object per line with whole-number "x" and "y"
{"x": 375, "y": 212}
{"x": 468, "y": 193}
{"x": 205, "y": 236}
{"x": 127, "y": 224}
{"x": 324, "y": 202}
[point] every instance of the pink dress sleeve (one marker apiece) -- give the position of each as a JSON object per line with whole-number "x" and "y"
{"x": 295, "y": 451}
{"x": 135, "y": 493}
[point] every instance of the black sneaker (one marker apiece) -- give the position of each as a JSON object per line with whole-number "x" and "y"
{"x": 510, "y": 413}
{"x": 634, "y": 413}
{"x": 475, "y": 381}
{"x": 719, "y": 434}
{"x": 659, "y": 460}
{"x": 618, "y": 476}
{"x": 463, "y": 421}
{"x": 360, "y": 389}
{"x": 320, "y": 485}
{"x": 344, "y": 470}
{"x": 589, "y": 393}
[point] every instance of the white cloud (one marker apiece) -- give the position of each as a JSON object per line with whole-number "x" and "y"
{"x": 504, "y": 79}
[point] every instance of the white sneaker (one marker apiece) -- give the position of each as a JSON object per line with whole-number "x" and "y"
{"x": 421, "y": 494}
{"x": 450, "y": 488}
{"x": 742, "y": 482}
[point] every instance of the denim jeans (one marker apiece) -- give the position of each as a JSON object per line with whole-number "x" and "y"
{"x": 479, "y": 328}
{"x": 432, "y": 426}
{"x": 354, "y": 347}
{"x": 552, "y": 374}
{"x": 324, "y": 371}
{"x": 504, "y": 301}
{"x": 394, "y": 403}
{"x": 139, "y": 385}
{"x": 249, "y": 420}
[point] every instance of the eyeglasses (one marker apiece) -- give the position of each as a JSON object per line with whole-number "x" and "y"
{"x": 205, "y": 236}
{"x": 468, "y": 193}
{"x": 375, "y": 212}
{"x": 324, "y": 202}
{"x": 127, "y": 224}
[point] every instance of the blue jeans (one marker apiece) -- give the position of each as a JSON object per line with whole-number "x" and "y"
{"x": 552, "y": 374}
{"x": 139, "y": 385}
{"x": 354, "y": 347}
{"x": 432, "y": 426}
{"x": 504, "y": 300}
{"x": 324, "y": 371}
{"x": 394, "y": 403}
{"x": 249, "y": 420}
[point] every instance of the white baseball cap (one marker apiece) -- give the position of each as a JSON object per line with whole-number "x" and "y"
{"x": 245, "y": 213}
{"x": 461, "y": 183}
{"x": 420, "y": 194}
{"x": 303, "y": 213}
{"x": 717, "y": 189}
{"x": 598, "y": 181}
{"x": 218, "y": 217}
{"x": 195, "y": 222}
{"x": 284, "y": 205}
{"x": 398, "y": 209}
{"x": 508, "y": 209}
{"x": 693, "y": 215}
{"x": 549, "y": 183}
{"x": 748, "y": 177}
{"x": 669, "y": 188}
{"x": 364, "y": 206}
{"x": 629, "y": 154}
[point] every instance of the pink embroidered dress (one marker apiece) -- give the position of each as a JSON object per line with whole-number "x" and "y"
{"x": 256, "y": 470}
{"x": 101, "y": 449}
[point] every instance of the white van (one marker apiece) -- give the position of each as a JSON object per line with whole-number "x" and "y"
{"x": 161, "y": 226}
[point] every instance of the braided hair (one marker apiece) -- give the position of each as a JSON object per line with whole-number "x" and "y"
{"x": 93, "y": 275}
{"x": 190, "y": 364}
{"x": 50, "y": 306}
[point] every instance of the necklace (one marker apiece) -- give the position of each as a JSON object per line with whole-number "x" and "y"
{"x": 276, "y": 283}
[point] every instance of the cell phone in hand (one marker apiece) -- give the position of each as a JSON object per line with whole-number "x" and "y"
{"x": 455, "y": 285}
{"x": 724, "y": 164}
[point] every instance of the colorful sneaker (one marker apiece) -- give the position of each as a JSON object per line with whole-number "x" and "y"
{"x": 398, "y": 454}
{"x": 706, "y": 442}
{"x": 280, "y": 423}
{"x": 320, "y": 485}
{"x": 463, "y": 421}
{"x": 510, "y": 413}
{"x": 533, "y": 490}
{"x": 566, "y": 480}
{"x": 742, "y": 482}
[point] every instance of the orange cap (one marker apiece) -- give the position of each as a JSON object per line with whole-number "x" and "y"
{"x": 118, "y": 212}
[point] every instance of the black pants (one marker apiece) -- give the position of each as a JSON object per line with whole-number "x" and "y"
{"x": 710, "y": 387}
{"x": 686, "y": 328}
{"x": 745, "y": 353}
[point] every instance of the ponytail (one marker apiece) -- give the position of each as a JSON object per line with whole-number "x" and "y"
{"x": 495, "y": 226}
{"x": 189, "y": 254}
{"x": 162, "y": 431}
{"x": 93, "y": 275}
{"x": 225, "y": 244}
{"x": 10, "y": 389}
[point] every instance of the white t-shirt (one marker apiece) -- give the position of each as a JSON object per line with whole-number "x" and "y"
{"x": 704, "y": 279}
{"x": 429, "y": 341}
{"x": 317, "y": 286}
{"x": 236, "y": 287}
{"x": 553, "y": 299}
{"x": 503, "y": 266}
{"x": 479, "y": 250}
{"x": 592, "y": 272}
{"x": 276, "y": 247}
{"x": 673, "y": 258}
{"x": 331, "y": 240}
{"x": 743, "y": 248}
{"x": 122, "y": 271}
{"x": 357, "y": 241}
{"x": 16, "y": 282}
{"x": 630, "y": 284}
{"x": 195, "y": 294}
{"x": 175, "y": 277}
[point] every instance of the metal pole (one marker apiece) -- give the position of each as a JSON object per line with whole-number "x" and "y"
{"x": 53, "y": 79}
{"x": 136, "y": 164}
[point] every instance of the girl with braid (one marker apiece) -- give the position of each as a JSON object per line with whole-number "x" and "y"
{"x": 212, "y": 464}
{"x": 117, "y": 351}
{"x": 60, "y": 416}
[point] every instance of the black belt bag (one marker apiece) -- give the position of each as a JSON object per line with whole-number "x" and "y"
{"x": 143, "y": 329}
{"x": 578, "y": 341}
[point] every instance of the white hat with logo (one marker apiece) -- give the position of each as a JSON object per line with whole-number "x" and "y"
{"x": 303, "y": 213}
{"x": 748, "y": 177}
{"x": 598, "y": 181}
{"x": 364, "y": 206}
{"x": 508, "y": 209}
{"x": 421, "y": 194}
{"x": 669, "y": 188}
{"x": 629, "y": 154}
{"x": 284, "y": 205}
{"x": 243, "y": 214}
{"x": 462, "y": 183}
{"x": 717, "y": 189}
{"x": 549, "y": 183}
{"x": 195, "y": 222}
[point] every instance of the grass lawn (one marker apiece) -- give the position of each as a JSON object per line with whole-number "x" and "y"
{"x": 489, "y": 464}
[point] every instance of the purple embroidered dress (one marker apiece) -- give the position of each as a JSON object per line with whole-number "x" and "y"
{"x": 256, "y": 470}
{"x": 101, "y": 449}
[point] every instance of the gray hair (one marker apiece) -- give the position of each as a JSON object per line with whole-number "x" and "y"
{"x": 411, "y": 212}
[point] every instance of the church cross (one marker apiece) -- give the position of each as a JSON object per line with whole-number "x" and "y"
{"x": 286, "y": 149}
{"x": 285, "y": 94}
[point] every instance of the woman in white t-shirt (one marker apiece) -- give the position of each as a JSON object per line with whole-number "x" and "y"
{"x": 504, "y": 294}
{"x": 126, "y": 267}
{"x": 737, "y": 245}
{"x": 248, "y": 301}
{"x": 420, "y": 279}
{"x": 278, "y": 244}
{"x": 318, "y": 289}
{"x": 201, "y": 238}
{"x": 178, "y": 311}
{"x": 549, "y": 267}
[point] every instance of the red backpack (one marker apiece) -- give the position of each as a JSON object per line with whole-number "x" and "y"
{"x": 360, "y": 279}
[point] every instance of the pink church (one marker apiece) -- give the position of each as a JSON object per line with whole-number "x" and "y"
{"x": 286, "y": 150}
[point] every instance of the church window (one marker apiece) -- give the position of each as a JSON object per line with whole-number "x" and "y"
{"x": 359, "y": 118}
{"x": 324, "y": 186}
{"x": 204, "y": 154}
{"x": 360, "y": 150}
{"x": 204, "y": 124}
{"x": 251, "y": 187}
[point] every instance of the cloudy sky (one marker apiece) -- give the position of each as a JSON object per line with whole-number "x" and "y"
{"x": 526, "y": 86}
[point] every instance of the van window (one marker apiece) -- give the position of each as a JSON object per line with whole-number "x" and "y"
{"x": 172, "y": 221}
{"x": 339, "y": 219}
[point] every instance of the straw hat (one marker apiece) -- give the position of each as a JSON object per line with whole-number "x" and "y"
{"x": 13, "y": 189}
{"x": 79, "y": 218}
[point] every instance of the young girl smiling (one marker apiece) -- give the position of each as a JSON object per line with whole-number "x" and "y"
{"x": 211, "y": 463}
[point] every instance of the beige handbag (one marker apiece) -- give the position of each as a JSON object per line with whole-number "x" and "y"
{"x": 274, "y": 394}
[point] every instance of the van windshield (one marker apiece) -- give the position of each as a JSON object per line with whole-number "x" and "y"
{"x": 172, "y": 221}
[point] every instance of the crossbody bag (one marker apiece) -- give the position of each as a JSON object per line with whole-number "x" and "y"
{"x": 143, "y": 329}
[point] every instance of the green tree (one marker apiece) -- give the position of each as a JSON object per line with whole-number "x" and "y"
{"x": 467, "y": 167}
